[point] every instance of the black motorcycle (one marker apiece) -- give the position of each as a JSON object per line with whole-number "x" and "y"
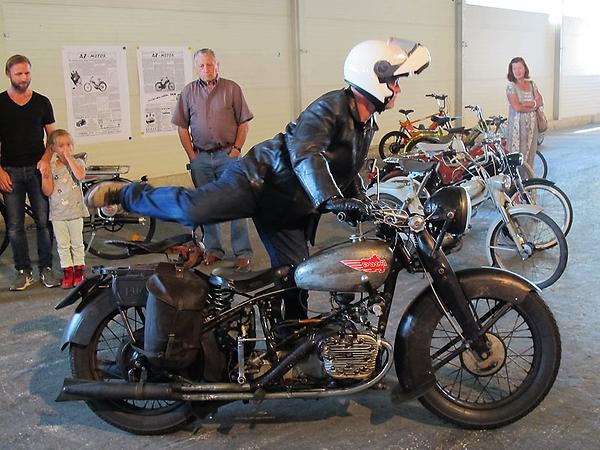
{"x": 154, "y": 347}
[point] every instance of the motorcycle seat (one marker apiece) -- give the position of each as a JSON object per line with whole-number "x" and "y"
{"x": 227, "y": 277}
{"x": 142, "y": 247}
{"x": 410, "y": 165}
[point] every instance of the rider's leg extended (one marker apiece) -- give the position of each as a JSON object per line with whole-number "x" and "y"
{"x": 230, "y": 197}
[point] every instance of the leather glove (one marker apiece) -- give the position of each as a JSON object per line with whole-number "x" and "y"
{"x": 353, "y": 209}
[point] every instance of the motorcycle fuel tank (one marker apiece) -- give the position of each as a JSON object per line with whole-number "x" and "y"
{"x": 345, "y": 267}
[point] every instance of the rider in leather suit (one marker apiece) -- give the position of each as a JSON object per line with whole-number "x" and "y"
{"x": 286, "y": 182}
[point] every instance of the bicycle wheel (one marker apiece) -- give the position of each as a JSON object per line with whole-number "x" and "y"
{"x": 392, "y": 144}
{"x": 113, "y": 223}
{"x": 550, "y": 198}
{"x": 545, "y": 252}
{"x": 540, "y": 165}
{"x": 3, "y": 229}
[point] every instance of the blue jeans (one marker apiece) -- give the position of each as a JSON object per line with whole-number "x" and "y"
{"x": 230, "y": 197}
{"x": 208, "y": 167}
{"x": 27, "y": 181}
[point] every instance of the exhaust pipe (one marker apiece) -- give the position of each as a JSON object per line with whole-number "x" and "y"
{"x": 77, "y": 389}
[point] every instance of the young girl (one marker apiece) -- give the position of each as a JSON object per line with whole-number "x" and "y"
{"x": 67, "y": 209}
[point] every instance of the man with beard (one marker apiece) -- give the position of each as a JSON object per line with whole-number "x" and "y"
{"x": 24, "y": 117}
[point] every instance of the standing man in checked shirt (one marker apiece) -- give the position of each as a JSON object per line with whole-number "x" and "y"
{"x": 212, "y": 119}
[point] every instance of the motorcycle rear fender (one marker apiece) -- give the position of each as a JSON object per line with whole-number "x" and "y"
{"x": 95, "y": 307}
{"x": 475, "y": 283}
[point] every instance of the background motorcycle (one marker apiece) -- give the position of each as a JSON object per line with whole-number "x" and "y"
{"x": 479, "y": 347}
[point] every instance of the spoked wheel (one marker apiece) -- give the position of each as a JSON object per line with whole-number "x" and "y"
{"x": 109, "y": 357}
{"x": 540, "y": 165}
{"x": 550, "y": 198}
{"x": 392, "y": 144}
{"x": 523, "y": 361}
{"x": 3, "y": 229}
{"x": 544, "y": 256}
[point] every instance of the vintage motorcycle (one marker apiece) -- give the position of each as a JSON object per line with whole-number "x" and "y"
{"x": 523, "y": 238}
{"x": 478, "y": 347}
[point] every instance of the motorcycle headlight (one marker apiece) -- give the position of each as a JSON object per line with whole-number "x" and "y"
{"x": 450, "y": 204}
{"x": 515, "y": 159}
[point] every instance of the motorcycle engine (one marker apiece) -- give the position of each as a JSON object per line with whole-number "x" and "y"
{"x": 349, "y": 356}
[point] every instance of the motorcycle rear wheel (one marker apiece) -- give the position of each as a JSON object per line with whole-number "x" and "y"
{"x": 99, "y": 361}
{"x": 526, "y": 338}
{"x": 549, "y": 197}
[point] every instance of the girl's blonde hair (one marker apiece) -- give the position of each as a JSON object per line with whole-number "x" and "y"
{"x": 56, "y": 134}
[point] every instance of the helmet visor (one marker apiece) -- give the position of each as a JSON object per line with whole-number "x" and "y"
{"x": 418, "y": 57}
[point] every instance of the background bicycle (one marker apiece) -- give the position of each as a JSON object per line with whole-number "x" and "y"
{"x": 108, "y": 223}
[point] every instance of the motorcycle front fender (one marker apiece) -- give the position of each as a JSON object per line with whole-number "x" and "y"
{"x": 480, "y": 282}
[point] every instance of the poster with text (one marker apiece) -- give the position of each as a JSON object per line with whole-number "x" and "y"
{"x": 163, "y": 72}
{"x": 97, "y": 93}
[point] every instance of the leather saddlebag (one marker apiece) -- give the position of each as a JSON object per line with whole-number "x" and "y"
{"x": 174, "y": 316}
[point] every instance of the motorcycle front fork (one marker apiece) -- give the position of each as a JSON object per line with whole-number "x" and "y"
{"x": 503, "y": 203}
{"x": 450, "y": 296}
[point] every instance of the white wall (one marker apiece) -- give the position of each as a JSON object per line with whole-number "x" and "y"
{"x": 580, "y": 69}
{"x": 285, "y": 53}
{"x": 251, "y": 38}
{"x": 492, "y": 37}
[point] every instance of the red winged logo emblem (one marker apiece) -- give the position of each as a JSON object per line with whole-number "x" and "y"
{"x": 372, "y": 264}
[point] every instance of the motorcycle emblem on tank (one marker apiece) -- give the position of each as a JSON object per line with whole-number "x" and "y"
{"x": 369, "y": 265}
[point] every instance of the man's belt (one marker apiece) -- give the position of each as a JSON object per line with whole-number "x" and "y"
{"x": 216, "y": 148}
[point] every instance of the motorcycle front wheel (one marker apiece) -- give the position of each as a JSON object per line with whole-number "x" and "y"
{"x": 525, "y": 349}
{"x": 105, "y": 359}
{"x": 545, "y": 251}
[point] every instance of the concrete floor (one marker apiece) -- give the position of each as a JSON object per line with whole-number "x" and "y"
{"x": 32, "y": 366}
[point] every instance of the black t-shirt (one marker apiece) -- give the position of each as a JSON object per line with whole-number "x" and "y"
{"x": 22, "y": 129}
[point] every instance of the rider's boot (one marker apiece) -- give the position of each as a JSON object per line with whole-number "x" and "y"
{"x": 104, "y": 193}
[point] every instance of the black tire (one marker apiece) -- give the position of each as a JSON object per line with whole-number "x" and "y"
{"x": 158, "y": 86}
{"x": 171, "y": 86}
{"x": 392, "y": 144}
{"x": 540, "y": 139}
{"x": 102, "y": 86}
{"x": 540, "y": 165}
{"x": 546, "y": 246}
{"x": 87, "y": 87}
{"x": 98, "y": 361}
{"x": 113, "y": 223}
{"x": 3, "y": 229}
{"x": 527, "y": 338}
{"x": 548, "y": 196}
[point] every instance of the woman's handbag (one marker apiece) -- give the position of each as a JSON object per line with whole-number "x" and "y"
{"x": 542, "y": 122}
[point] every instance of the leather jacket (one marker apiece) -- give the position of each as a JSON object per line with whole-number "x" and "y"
{"x": 317, "y": 157}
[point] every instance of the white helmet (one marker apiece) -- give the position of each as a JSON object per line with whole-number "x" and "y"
{"x": 370, "y": 65}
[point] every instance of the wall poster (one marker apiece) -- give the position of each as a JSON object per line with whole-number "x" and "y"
{"x": 97, "y": 93}
{"x": 163, "y": 72}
